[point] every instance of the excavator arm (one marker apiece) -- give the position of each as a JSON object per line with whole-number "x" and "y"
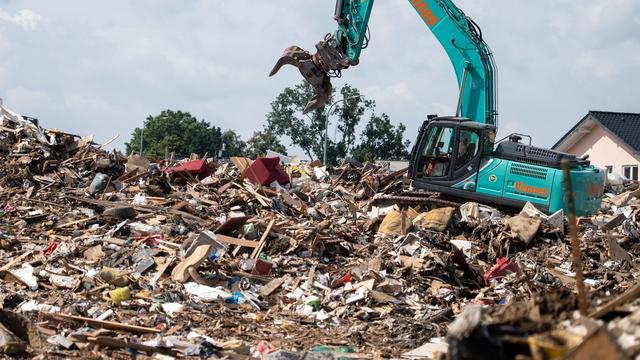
{"x": 458, "y": 34}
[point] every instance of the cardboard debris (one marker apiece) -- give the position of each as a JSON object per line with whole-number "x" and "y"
{"x": 600, "y": 345}
{"x": 137, "y": 164}
{"x": 241, "y": 163}
{"x": 436, "y": 219}
{"x": 392, "y": 224}
{"x": 524, "y": 227}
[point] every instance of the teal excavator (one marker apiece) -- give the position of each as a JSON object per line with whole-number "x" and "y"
{"x": 457, "y": 155}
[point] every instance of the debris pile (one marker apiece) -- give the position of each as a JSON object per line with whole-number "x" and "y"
{"x": 106, "y": 255}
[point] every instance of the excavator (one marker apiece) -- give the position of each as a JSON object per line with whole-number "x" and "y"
{"x": 457, "y": 156}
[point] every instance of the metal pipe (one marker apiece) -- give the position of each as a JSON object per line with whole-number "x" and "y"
{"x": 464, "y": 81}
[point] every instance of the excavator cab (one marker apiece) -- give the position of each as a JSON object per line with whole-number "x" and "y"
{"x": 448, "y": 150}
{"x": 456, "y": 157}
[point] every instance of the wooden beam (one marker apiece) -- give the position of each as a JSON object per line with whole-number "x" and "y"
{"x": 116, "y": 343}
{"x": 257, "y": 250}
{"x": 111, "y": 325}
{"x": 271, "y": 286}
{"x": 629, "y": 295}
{"x": 15, "y": 261}
{"x": 71, "y": 223}
{"x": 238, "y": 242}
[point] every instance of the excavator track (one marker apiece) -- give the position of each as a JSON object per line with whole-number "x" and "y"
{"x": 414, "y": 198}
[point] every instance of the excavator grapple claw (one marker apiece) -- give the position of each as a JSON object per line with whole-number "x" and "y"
{"x": 311, "y": 70}
{"x": 291, "y": 56}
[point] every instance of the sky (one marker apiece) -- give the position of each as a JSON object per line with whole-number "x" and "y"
{"x": 101, "y": 68}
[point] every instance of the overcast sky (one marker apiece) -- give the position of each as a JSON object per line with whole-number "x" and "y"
{"x": 100, "y": 68}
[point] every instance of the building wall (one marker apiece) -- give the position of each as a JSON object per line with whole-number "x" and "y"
{"x": 604, "y": 151}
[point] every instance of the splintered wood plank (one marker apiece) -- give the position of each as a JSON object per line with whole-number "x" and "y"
{"x": 257, "y": 250}
{"x": 271, "y": 286}
{"x": 238, "y": 242}
{"x": 111, "y": 325}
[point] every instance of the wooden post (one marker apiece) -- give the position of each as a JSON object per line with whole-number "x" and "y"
{"x": 256, "y": 251}
{"x": 105, "y": 188}
{"x": 575, "y": 242}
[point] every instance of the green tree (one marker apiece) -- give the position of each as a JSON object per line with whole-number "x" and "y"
{"x": 182, "y": 133}
{"x": 380, "y": 140}
{"x": 307, "y": 131}
{"x": 233, "y": 143}
{"x": 264, "y": 140}
{"x": 350, "y": 111}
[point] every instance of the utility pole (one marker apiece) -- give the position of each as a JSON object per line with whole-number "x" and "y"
{"x": 141, "y": 138}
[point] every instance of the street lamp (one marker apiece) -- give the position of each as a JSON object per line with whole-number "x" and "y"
{"x": 326, "y": 123}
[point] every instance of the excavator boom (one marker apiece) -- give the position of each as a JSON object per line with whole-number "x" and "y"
{"x": 456, "y": 155}
{"x": 458, "y": 34}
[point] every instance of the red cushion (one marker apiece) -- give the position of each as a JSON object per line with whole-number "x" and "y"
{"x": 264, "y": 171}
{"x": 195, "y": 167}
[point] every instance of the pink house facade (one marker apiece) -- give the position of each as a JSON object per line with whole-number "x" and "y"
{"x": 611, "y": 139}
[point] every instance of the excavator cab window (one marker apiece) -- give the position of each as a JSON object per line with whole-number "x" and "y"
{"x": 468, "y": 148}
{"x": 437, "y": 153}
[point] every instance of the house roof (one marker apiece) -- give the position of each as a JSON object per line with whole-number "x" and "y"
{"x": 624, "y": 126}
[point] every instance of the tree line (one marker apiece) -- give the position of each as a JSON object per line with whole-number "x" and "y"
{"x": 181, "y": 133}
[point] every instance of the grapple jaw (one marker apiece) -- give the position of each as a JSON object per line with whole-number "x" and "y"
{"x": 311, "y": 68}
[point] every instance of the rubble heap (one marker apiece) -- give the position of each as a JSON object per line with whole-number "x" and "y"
{"x": 104, "y": 256}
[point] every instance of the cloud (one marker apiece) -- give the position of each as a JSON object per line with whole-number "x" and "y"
{"x": 111, "y": 64}
{"x": 25, "y": 18}
{"x": 83, "y": 103}
{"x": 21, "y": 96}
{"x": 393, "y": 93}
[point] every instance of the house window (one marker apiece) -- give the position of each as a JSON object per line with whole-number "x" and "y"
{"x": 630, "y": 172}
{"x": 609, "y": 169}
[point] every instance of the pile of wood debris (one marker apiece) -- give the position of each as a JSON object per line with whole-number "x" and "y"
{"x": 103, "y": 255}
